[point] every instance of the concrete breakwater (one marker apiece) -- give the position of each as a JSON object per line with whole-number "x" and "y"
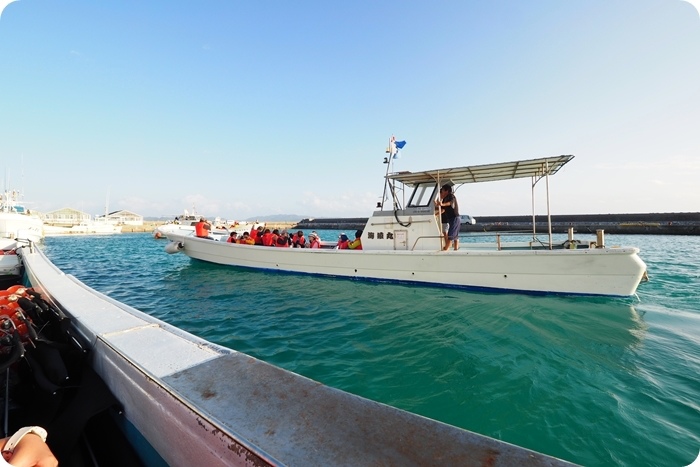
{"x": 648, "y": 223}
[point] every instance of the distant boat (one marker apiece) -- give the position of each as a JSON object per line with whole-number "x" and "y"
{"x": 221, "y": 228}
{"x": 10, "y": 268}
{"x": 91, "y": 227}
{"x": 17, "y": 222}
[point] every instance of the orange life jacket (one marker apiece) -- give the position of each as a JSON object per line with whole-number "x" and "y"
{"x": 355, "y": 244}
{"x": 200, "y": 229}
{"x": 267, "y": 239}
{"x": 298, "y": 241}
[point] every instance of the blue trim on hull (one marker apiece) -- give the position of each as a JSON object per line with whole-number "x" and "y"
{"x": 148, "y": 455}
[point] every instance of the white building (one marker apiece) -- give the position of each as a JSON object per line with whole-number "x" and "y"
{"x": 123, "y": 217}
{"x": 66, "y": 217}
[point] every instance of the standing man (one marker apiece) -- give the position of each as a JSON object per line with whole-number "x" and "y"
{"x": 450, "y": 215}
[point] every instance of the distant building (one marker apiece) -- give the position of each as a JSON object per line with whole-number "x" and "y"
{"x": 69, "y": 217}
{"x": 123, "y": 217}
{"x": 66, "y": 217}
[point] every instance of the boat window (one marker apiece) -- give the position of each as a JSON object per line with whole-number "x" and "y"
{"x": 423, "y": 195}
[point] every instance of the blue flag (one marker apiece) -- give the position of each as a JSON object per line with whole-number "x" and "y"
{"x": 394, "y": 147}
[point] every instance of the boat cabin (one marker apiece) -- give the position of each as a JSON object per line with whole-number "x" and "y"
{"x": 417, "y": 225}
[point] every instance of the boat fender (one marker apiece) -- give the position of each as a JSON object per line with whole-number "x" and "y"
{"x": 174, "y": 247}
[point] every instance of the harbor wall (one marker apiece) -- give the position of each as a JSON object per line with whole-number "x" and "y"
{"x": 683, "y": 223}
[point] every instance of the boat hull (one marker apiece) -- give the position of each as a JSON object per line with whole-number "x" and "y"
{"x": 83, "y": 229}
{"x": 162, "y": 231}
{"x": 605, "y": 271}
{"x": 197, "y": 403}
{"x": 21, "y": 226}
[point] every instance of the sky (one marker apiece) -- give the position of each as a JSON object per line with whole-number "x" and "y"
{"x": 244, "y": 109}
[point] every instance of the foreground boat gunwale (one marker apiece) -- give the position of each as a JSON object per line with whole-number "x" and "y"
{"x": 269, "y": 416}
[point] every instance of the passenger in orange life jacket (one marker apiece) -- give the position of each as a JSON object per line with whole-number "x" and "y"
{"x": 357, "y": 243}
{"x": 283, "y": 240}
{"x": 342, "y": 242}
{"x": 267, "y": 238}
{"x": 275, "y": 234}
{"x": 232, "y": 238}
{"x": 202, "y": 228}
{"x": 247, "y": 239}
{"x": 298, "y": 240}
{"x": 258, "y": 236}
{"x": 314, "y": 241}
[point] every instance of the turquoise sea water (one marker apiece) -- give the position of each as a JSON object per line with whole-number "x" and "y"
{"x": 593, "y": 381}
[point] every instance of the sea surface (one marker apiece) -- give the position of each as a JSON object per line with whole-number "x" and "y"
{"x": 594, "y": 381}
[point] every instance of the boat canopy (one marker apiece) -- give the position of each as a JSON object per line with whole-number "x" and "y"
{"x": 485, "y": 173}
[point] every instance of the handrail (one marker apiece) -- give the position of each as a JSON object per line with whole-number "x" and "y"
{"x": 423, "y": 237}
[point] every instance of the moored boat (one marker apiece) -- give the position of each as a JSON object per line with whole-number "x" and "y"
{"x": 186, "y": 401}
{"x": 221, "y": 228}
{"x": 84, "y": 228}
{"x": 10, "y": 266}
{"x": 16, "y": 221}
{"x": 405, "y": 244}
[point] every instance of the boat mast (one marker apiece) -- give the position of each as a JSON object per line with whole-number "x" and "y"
{"x": 388, "y": 161}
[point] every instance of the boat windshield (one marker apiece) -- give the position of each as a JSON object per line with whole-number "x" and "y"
{"x": 423, "y": 195}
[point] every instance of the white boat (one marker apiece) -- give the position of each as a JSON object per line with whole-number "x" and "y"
{"x": 10, "y": 267}
{"x": 404, "y": 244}
{"x": 16, "y": 221}
{"x": 92, "y": 227}
{"x": 221, "y": 228}
{"x": 183, "y": 401}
